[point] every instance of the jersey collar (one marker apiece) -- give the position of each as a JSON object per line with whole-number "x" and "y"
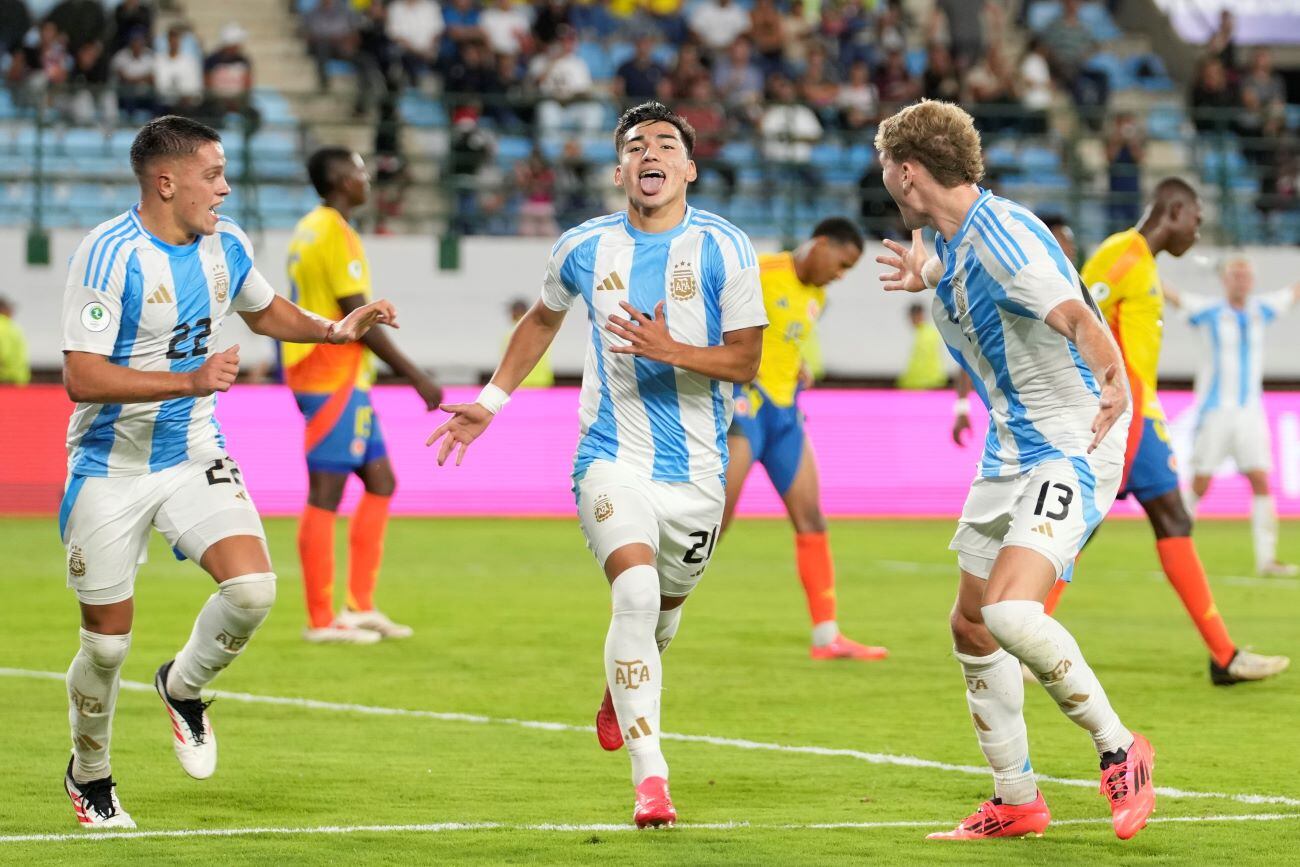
{"x": 176, "y": 250}
{"x": 985, "y": 197}
{"x": 668, "y": 235}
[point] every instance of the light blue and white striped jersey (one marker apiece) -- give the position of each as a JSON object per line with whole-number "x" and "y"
{"x": 1231, "y": 374}
{"x": 1003, "y": 273}
{"x": 150, "y": 305}
{"x": 667, "y": 423}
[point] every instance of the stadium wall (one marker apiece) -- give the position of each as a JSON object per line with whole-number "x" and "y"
{"x": 455, "y": 322}
{"x": 882, "y": 454}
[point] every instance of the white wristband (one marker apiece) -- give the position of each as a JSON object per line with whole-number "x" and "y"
{"x": 492, "y": 398}
{"x": 961, "y": 406}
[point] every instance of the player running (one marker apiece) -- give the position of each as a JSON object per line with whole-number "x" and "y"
{"x": 330, "y": 276}
{"x": 1012, "y": 311}
{"x": 1122, "y": 277}
{"x": 673, "y": 299}
{"x": 768, "y": 426}
{"x": 146, "y": 298}
{"x": 1230, "y": 420}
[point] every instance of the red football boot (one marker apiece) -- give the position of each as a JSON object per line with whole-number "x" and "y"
{"x": 654, "y": 806}
{"x": 1129, "y": 789}
{"x": 994, "y": 819}
{"x": 844, "y": 648}
{"x": 607, "y": 730}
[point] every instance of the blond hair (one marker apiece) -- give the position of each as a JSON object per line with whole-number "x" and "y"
{"x": 938, "y": 135}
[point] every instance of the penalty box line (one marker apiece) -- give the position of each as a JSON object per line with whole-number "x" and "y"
{"x": 446, "y": 827}
{"x": 737, "y": 743}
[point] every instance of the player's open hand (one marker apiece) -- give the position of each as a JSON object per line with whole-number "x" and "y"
{"x": 646, "y": 336}
{"x": 1114, "y": 400}
{"x": 467, "y": 422}
{"x": 217, "y": 373}
{"x": 960, "y": 424}
{"x": 907, "y": 262}
{"x": 354, "y": 326}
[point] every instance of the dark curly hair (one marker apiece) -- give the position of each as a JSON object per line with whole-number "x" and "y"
{"x": 647, "y": 112}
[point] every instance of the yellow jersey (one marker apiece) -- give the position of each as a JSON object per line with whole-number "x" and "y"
{"x": 326, "y": 263}
{"x": 792, "y": 310}
{"x": 1121, "y": 275}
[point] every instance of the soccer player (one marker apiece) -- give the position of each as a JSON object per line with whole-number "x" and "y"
{"x": 1230, "y": 418}
{"x": 330, "y": 276}
{"x": 673, "y": 299}
{"x": 1014, "y": 315}
{"x": 1122, "y": 277}
{"x": 768, "y": 426}
{"x": 146, "y": 298}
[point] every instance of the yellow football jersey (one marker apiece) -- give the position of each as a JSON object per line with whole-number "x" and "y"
{"x": 792, "y": 310}
{"x": 1122, "y": 277}
{"x": 326, "y": 263}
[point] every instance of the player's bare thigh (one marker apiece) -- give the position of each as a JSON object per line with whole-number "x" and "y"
{"x": 1017, "y": 574}
{"x": 637, "y": 554}
{"x": 803, "y": 498}
{"x": 234, "y": 556}
{"x": 738, "y": 467}
{"x": 114, "y": 618}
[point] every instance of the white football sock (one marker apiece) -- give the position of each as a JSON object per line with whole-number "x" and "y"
{"x": 92, "y": 682}
{"x": 633, "y": 670}
{"x": 1263, "y": 528}
{"x": 225, "y": 623}
{"x": 666, "y": 628}
{"x": 1053, "y": 655}
{"x": 825, "y": 632}
{"x": 995, "y": 693}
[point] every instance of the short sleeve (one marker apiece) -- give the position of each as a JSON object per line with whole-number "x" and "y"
{"x": 1197, "y": 309}
{"x": 349, "y": 270}
{"x": 1036, "y": 289}
{"x": 1274, "y": 304}
{"x": 256, "y": 293}
{"x": 239, "y": 256}
{"x": 742, "y": 301}
{"x": 92, "y": 315}
{"x": 555, "y": 294}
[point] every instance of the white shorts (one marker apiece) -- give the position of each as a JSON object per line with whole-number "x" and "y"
{"x": 1240, "y": 433}
{"x": 105, "y": 521}
{"x": 1051, "y": 508}
{"x": 679, "y": 520}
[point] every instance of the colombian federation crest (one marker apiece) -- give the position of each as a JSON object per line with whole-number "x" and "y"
{"x": 221, "y": 283}
{"x": 682, "y": 282}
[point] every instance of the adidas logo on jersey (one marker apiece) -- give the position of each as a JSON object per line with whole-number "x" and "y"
{"x": 161, "y": 295}
{"x": 1045, "y": 529}
{"x": 612, "y": 283}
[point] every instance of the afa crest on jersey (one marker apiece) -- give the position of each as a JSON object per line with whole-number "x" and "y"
{"x": 682, "y": 284}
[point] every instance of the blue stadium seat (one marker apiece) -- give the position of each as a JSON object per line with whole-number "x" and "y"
{"x": 273, "y": 106}
{"x": 597, "y": 59}
{"x": 419, "y": 109}
{"x": 513, "y": 148}
{"x": 1001, "y": 156}
{"x": 1165, "y": 122}
{"x": 917, "y": 62}
{"x": 1117, "y": 71}
{"x": 1036, "y": 158}
{"x": 1097, "y": 19}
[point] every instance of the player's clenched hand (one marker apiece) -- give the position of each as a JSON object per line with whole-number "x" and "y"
{"x": 646, "y": 336}
{"x": 907, "y": 262}
{"x": 217, "y": 373}
{"x": 1114, "y": 400}
{"x": 960, "y": 425}
{"x": 358, "y": 322}
{"x": 467, "y": 422}
{"x": 429, "y": 391}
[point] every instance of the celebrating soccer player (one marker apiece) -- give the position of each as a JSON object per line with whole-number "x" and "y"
{"x": 329, "y": 275}
{"x": 673, "y": 299}
{"x": 1122, "y": 277}
{"x": 147, "y": 295}
{"x": 1013, "y": 313}
{"x": 768, "y": 427}
{"x": 1230, "y": 419}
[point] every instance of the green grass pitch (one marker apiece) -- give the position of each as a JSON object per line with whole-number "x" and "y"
{"x": 510, "y": 619}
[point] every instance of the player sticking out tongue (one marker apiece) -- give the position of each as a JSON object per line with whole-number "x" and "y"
{"x": 652, "y": 181}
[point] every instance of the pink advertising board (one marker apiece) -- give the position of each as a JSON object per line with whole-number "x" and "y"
{"x": 881, "y": 453}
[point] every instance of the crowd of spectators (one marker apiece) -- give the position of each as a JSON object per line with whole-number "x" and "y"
{"x": 94, "y": 66}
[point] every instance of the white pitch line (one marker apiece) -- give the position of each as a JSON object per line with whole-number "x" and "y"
{"x": 566, "y": 828}
{"x": 737, "y": 743}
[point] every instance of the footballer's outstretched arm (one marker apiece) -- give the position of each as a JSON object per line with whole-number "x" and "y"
{"x": 284, "y": 320}
{"x": 1080, "y": 325}
{"x": 93, "y": 378}
{"x": 735, "y": 360}
{"x": 378, "y": 342}
{"x": 528, "y": 343}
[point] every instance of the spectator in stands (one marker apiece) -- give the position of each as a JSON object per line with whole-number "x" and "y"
{"x": 768, "y": 32}
{"x": 718, "y": 23}
{"x": 333, "y": 32}
{"x": 132, "y": 70}
{"x": 798, "y": 33}
{"x": 461, "y": 18}
{"x": 964, "y": 22}
{"x": 989, "y": 93}
{"x": 1223, "y": 44}
{"x": 575, "y": 200}
{"x": 506, "y": 28}
{"x": 666, "y": 16}
{"x": 49, "y": 56}
{"x": 92, "y": 101}
{"x": 700, "y": 107}
{"x": 687, "y": 68}
{"x": 1069, "y": 46}
{"x": 897, "y": 86}
{"x": 1125, "y": 151}
{"x": 1263, "y": 96}
{"x": 564, "y": 83}
{"x": 737, "y": 79}
{"x": 414, "y": 28}
{"x": 940, "y": 80}
{"x": 550, "y": 18}
{"x": 1035, "y": 87}
{"x": 818, "y": 83}
{"x": 79, "y": 21}
{"x": 789, "y": 131}
{"x": 391, "y": 176}
{"x": 1213, "y": 100}
{"x": 129, "y": 16}
{"x": 473, "y": 73}
{"x": 15, "y": 369}
{"x": 473, "y": 148}
{"x": 228, "y": 77}
{"x": 891, "y": 28}
{"x": 639, "y": 78}
{"x": 15, "y": 21}
{"x": 880, "y": 216}
{"x": 178, "y": 76}
{"x": 535, "y": 180}
{"x": 858, "y": 100}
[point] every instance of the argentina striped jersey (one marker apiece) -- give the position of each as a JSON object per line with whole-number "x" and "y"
{"x": 664, "y": 422}
{"x": 1003, "y": 273}
{"x": 150, "y": 305}
{"x": 1231, "y": 374}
